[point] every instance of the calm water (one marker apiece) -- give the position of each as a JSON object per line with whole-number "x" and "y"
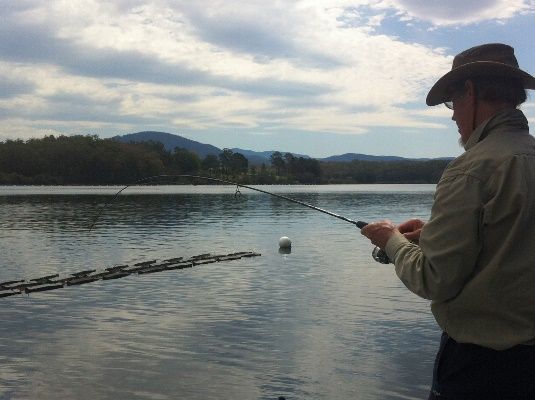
{"x": 324, "y": 322}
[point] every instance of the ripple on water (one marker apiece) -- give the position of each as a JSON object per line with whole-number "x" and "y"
{"x": 323, "y": 322}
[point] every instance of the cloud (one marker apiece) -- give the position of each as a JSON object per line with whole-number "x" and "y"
{"x": 277, "y": 37}
{"x": 318, "y": 66}
{"x": 40, "y": 44}
{"x": 458, "y": 12}
{"x": 10, "y": 87}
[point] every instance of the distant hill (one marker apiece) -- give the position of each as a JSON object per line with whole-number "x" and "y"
{"x": 259, "y": 157}
{"x": 361, "y": 157}
{"x": 170, "y": 141}
{"x": 254, "y": 157}
{"x": 347, "y": 157}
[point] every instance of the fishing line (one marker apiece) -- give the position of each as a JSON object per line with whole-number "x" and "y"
{"x": 377, "y": 254}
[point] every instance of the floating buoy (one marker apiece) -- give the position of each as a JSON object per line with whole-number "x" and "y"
{"x": 285, "y": 242}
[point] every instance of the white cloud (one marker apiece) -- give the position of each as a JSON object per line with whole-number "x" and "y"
{"x": 176, "y": 64}
{"x": 458, "y": 12}
{"x": 135, "y": 57}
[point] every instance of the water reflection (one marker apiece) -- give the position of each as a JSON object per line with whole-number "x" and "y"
{"x": 325, "y": 323}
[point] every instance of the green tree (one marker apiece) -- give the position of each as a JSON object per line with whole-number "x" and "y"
{"x": 185, "y": 162}
{"x": 289, "y": 159}
{"x": 239, "y": 164}
{"x": 225, "y": 159}
{"x": 210, "y": 163}
{"x": 277, "y": 162}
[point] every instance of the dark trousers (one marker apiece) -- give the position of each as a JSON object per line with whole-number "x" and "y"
{"x": 470, "y": 372}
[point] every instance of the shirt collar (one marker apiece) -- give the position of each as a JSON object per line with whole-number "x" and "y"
{"x": 508, "y": 118}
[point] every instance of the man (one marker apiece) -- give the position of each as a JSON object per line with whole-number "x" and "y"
{"x": 475, "y": 257}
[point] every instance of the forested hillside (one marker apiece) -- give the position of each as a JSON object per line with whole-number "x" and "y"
{"x": 89, "y": 160}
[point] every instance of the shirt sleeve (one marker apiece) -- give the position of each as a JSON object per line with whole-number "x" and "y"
{"x": 439, "y": 267}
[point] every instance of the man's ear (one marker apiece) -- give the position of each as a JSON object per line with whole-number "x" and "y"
{"x": 470, "y": 89}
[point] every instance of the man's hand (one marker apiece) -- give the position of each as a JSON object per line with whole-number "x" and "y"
{"x": 379, "y": 232}
{"x": 411, "y": 229}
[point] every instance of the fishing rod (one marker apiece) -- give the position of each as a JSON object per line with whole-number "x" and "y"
{"x": 377, "y": 254}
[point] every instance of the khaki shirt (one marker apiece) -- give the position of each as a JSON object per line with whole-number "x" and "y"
{"x": 476, "y": 256}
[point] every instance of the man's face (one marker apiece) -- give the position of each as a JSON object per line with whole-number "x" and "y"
{"x": 461, "y": 104}
{"x": 462, "y": 116}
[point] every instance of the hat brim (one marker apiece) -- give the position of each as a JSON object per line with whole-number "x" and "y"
{"x": 439, "y": 92}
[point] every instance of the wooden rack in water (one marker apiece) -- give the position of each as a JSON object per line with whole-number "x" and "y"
{"x": 52, "y": 282}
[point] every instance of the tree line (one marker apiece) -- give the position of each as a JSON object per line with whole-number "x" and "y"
{"x": 368, "y": 172}
{"x": 90, "y": 160}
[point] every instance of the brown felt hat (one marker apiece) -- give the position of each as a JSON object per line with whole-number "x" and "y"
{"x": 485, "y": 60}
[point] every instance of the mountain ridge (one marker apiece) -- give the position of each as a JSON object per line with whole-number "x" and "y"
{"x": 171, "y": 141}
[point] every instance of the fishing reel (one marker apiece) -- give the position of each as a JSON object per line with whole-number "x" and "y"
{"x": 380, "y": 256}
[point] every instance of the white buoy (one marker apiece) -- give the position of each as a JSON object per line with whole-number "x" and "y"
{"x": 285, "y": 242}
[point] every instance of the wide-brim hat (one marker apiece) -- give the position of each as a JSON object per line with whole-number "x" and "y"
{"x": 493, "y": 59}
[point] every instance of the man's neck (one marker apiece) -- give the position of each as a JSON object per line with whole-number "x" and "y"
{"x": 486, "y": 110}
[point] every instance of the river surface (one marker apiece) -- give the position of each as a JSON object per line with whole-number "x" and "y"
{"x": 323, "y": 322}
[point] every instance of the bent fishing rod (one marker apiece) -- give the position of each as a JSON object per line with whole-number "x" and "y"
{"x": 377, "y": 254}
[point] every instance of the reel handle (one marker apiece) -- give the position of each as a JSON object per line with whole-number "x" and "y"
{"x": 378, "y": 255}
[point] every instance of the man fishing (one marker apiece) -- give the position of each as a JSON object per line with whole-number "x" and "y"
{"x": 475, "y": 257}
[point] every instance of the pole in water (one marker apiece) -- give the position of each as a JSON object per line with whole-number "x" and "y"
{"x": 378, "y": 254}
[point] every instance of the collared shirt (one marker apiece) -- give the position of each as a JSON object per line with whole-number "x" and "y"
{"x": 476, "y": 255}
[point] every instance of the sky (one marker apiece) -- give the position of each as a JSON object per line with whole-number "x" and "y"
{"x": 309, "y": 77}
